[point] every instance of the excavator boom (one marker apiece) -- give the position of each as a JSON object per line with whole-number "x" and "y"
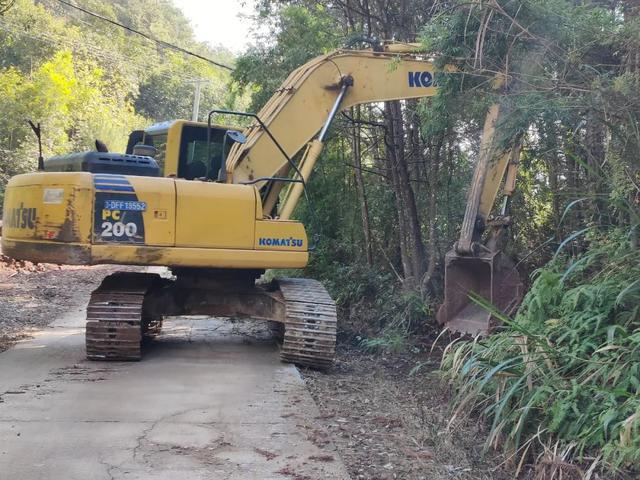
{"x": 309, "y": 97}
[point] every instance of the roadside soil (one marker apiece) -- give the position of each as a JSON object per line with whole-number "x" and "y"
{"x": 33, "y": 295}
{"x": 388, "y": 423}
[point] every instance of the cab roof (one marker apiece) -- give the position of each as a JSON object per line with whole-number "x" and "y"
{"x": 163, "y": 127}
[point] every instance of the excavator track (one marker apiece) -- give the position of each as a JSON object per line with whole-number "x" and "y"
{"x": 115, "y": 317}
{"x": 310, "y": 324}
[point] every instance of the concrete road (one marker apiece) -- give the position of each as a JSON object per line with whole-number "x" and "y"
{"x": 210, "y": 400}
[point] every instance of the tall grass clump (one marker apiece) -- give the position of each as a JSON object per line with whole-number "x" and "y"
{"x": 559, "y": 385}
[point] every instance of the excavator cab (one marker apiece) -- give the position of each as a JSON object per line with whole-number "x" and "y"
{"x": 185, "y": 149}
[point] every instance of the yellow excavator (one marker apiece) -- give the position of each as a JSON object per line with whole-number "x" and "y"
{"x": 213, "y": 204}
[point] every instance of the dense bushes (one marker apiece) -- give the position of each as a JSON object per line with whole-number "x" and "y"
{"x": 560, "y": 385}
{"x": 374, "y": 310}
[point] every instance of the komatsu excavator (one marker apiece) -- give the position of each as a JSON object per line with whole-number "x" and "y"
{"x": 210, "y": 206}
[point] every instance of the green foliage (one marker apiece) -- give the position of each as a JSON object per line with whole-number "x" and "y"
{"x": 562, "y": 379}
{"x": 168, "y": 90}
{"x": 300, "y": 34}
{"x": 389, "y": 340}
{"x": 71, "y": 99}
{"x": 83, "y": 78}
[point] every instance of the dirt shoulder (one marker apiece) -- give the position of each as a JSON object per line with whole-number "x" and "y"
{"x": 389, "y": 424}
{"x": 32, "y": 296}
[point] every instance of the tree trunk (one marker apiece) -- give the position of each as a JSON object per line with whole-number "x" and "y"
{"x": 434, "y": 169}
{"x": 390, "y": 156}
{"x": 357, "y": 161}
{"x": 407, "y": 211}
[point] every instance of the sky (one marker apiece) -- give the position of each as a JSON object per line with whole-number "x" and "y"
{"x": 218, "y": 21}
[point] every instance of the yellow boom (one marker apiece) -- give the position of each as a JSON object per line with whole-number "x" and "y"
{"x": 308, "y": 100}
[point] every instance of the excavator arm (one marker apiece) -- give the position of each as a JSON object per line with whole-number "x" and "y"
{"x": 307, "y": 102}
{"x": 476, "y": 266}
{"x": 492, "y": 166}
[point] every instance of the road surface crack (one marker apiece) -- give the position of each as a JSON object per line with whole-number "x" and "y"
{"x": 110, "y": 468}
{"x": 140, "y": 439}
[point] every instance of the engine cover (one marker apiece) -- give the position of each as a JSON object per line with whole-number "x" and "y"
{"x": 103, "y": 162}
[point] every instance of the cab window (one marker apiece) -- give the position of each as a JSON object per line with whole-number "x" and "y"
{"x": 196, "y": 159}
{"x": 159, "y": 141}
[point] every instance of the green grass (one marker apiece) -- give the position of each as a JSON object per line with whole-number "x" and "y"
{"x": 560, "y": 385}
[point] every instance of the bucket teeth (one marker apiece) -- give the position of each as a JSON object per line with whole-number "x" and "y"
{"x": 310, "y": 324}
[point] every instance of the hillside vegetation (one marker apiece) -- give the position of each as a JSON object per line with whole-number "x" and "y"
{"x": 84, "y": 78}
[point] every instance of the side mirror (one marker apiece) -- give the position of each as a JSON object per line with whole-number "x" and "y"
{"x": 236, "y": 136}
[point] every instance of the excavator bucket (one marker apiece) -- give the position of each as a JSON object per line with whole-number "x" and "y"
{"x": 492, "y": 276}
